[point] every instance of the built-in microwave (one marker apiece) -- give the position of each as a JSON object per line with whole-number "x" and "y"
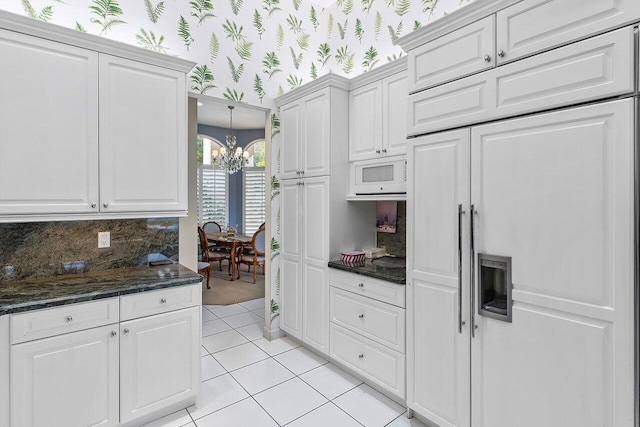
{"x": 387, "y": 175}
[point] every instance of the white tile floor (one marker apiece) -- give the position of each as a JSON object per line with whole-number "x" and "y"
{"x": 248, "y": 381}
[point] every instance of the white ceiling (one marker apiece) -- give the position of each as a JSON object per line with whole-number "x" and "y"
{"x": 215, "y": 112}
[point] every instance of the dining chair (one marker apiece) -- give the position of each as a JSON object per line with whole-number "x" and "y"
{"x": 204, "y": 266}
{"x": 258, "y": 256}
{"x": 211, "y": 227}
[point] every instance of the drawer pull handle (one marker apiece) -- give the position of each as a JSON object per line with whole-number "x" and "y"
{"x": 69, "y": 318}
{"x": 487, "y": 58}
{"x": 93, "y": 205}
{"x": 114, "y": 333}
{"x": 361, "y": 285}
{"x": 361, "y": 356}
{"x": 361, "y": 316}
{"x": 501, "y": 53}
{"x": 105, "y": 205}
{"x": 163, "y": 300}
{"x": 126, "y": 331}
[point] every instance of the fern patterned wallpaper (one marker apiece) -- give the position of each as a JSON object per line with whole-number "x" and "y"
{"x": 250, "y": 50}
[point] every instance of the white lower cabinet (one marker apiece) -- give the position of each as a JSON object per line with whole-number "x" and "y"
{"x": 110, "y": 372}
{"x": 67, "y": 380}
{"x": 367, "y": 334}
{"x": 158, "y": 366}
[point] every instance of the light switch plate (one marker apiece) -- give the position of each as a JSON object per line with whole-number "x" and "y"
{"x": 104, "y": 239}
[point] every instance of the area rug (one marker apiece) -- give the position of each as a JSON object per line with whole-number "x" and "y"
{"x": 225, "y": 292}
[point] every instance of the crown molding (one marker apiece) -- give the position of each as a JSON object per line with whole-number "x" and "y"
{"x": 328, "y": 80}
{"x": 459, "y": 18}
{"x": 386, "y": 70}
{"x": 33, "y": 27}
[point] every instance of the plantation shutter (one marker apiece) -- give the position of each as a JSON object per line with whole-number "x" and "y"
{"x": 254, "y": 181}
{"x": 212, "y": 195}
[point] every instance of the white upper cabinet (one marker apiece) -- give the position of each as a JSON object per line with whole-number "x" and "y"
{"x": 365, "y": 122}
{"x": 48, "y": 127}
{"x": 534, "y": 25}
{"x": 86, "y": 132}
{"x": 378, "y": 118}
{"x": 465, "y": 51}
{"x": 306, "y": 136}
{"x": 143, "y": 148}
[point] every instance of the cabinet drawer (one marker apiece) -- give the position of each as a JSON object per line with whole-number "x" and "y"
{"x": 587, "y": 70}
{"x": 381, "y": 365}
{"x": 153, "y": 302}
{"x": 460, "y": 53}
{"x": 531, "y": 26}
{"x": 381, "y": 322}
{"x": 38, "y": 324}
{"x": 388, "y": 292}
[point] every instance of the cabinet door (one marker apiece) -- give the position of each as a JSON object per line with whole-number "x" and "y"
{"x": 316, "y": 131}
{"x": 555, "y": 193}
{"x": 365, "y": 122}
{"x": 534, "y": 25}
{"x": 315, "y": 274}
{"x": 143, "y": 151}
{"x": 457, "y": 54}
{"x": 394, "y": 112}
{"x": 290, "y": 249}
{"x": 290, "y": 131}
{"x": 68, "y": 380}
{"x": 159, "y": 362}
{"x": 48, "y": 127}
{"x": 438, "y": 347}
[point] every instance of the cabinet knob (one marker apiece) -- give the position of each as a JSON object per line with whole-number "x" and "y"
{"x": 297, "y": 172}
{"x": 384, "y": 150}
{"x": 163, "y": 300}
{"x": 69, "y": 318}
{"x": 93, "y": 205}
{"x": 377, "y": 151}
{"x": 114, "y": 333}
{"x": 361, "y": 316}
{"x": 301, "y": 172}
{"x": 501, "y": 53}
{"x": 361, "y": 356}
{"x": 302, "y": 183}
{"x": 126, "y": 330}
{"x": 487, "y": 58}
{"x": 361, "y": 285}
{"x": 105, "y": 205}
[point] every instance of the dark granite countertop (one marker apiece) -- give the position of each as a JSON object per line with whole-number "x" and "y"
{"x": 395, "y": 275}
{"x": 26, "y": 295}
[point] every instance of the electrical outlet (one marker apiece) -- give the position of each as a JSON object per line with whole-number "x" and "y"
{"x": 104, "y": 239}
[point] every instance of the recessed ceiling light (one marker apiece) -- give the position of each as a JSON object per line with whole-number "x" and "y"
{"x": 200, "y": 104}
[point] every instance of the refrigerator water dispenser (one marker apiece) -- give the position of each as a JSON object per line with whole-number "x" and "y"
{"x": 494, "y": 284}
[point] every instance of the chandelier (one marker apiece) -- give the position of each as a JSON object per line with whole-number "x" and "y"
{"x": 230, "y": 158}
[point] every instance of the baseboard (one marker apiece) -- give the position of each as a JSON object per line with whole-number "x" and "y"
{"x": 272, "y": 334}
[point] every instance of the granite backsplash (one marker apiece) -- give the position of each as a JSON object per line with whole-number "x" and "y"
{"x": 396, "y": 242}
{"x": 46, "y": 249}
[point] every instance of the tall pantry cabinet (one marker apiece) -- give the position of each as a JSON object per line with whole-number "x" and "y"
{"x": 521, "y": 263}
{"x": 317, "y": 222}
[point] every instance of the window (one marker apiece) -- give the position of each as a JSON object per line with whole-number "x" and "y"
{"x": 212, "y": 185}
{"x": 254, "y": 187}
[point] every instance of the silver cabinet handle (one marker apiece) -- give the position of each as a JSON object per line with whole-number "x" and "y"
{"x": 163, "y": 300}
{"x": 114, "y": 333}
{"x": 93, "y": 205}
{"x": 126, "y": 330}
{"x": 460, "y": 213}
{"x": 361, "y": 356}
{"x": 377, "y": 151}
{"x": 361, "y": 316}
{"x": 105, "y": 205}
{"x": 473, "y": 276}
{"x": 501, "y": 53}
{"x": 301, "y": 172}
{"x": 384, "y": 150}
{"x": 302, "y": 183}
{"x": 487, "y": 58}
{"x": 69, "y": 319}
{"x": 361, "y": 285}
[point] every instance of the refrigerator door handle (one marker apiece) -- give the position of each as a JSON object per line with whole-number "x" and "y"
{"x": 460, "y": 322}
{"x": 473, "y": 276}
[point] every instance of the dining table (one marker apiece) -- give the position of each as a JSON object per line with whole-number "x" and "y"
{"x": 234, "y": 242}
